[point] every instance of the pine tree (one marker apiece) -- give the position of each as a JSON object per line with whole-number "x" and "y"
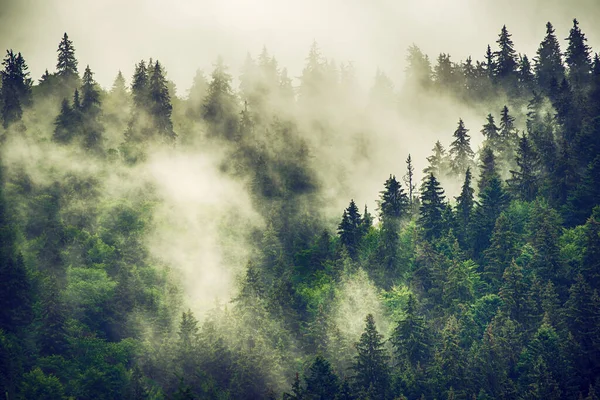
{"x": 461, "y": 154}
{"x": 437, "y": 161}
{"x": 508, "y": 137}
{"x": 66, "y": 66}
{"x": 524, "y": 181}
{"x": 411, "y": 337}
{"x": 393, "y": 201}
{"x": 464, "y": 208}
{"x": 139, "y": 86}
{"x": 549, "y": 68}
{"x": 506, "y": 60}
{"x": 502, "y": 250}
{"x": 350, "y": 229}
{"x": 432, "y": 207}
{"x": 492, "y": 201}
{"x": 525, "y": 74}
{"x": 89, "y": 90}
{"x": 590, "y": 268}
{"x": 160, "y": 103}
{"x": 371, "y": 363}
{"x": 90, "y": 108}
{"x": 321, "y": 383}
{"x": 487, "y": 168}
{"x": 490, "y": 64}
{"x": 577, "y": 57}
{"x": 65, "y": 123}
{"x": 15, "y": 91}
{"x": 491, "y": 132}
{"x": 409, "y": 182}
{"x": 219, "y": 107}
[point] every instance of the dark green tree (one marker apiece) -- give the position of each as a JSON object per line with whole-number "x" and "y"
{"x": 502, "y": 250}
{"x": 432, "y": 207}
{"x": 15, "y": 91}
{"x": 371, "y": 363}
{"x": 159, "y": 103}
{"x": 321, "y": 382}
{"x": 549, "y": 68}
{"x": 411, "y": 337}
{"x": 464, "y": 208}
{"x": 66, "y": 66}
{"x": 577, "y": 57}
{"x": 461, "y": 154}
{"x": 438, "y": 161}
{"x": 490, "y": 132}
{"x": 393, "y": 201}
{"x": 506, "y": 59}
{"x": 524, "y": 181}
{"x": 219, "y": 107}
{"x": 409, "y": 182}
{"x": 350, "y": 229}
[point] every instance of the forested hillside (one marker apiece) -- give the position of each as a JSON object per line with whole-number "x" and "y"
{"x": 158, "y": 245}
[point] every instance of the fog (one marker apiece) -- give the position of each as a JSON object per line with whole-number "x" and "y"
{"x": 112, "y": 35}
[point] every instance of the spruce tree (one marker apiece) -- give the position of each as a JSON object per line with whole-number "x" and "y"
{"x": 525, "y": 75}
{"x": 15, "y": 92}
{"x": 490, "y": 64}
{"x": 393, "y": 201}
{"x": 411, "y": 337}
{"x": 506, "y": 60}
{"x": 350, "y": 229}
{"x": 491, "y": 132}
{"x": 219, "y": 106}
{"x": 409, "y": 181}
{"x": 432, "y": 207}
{"x": 438, "y": 161}
{"x": 524, "y": 181}
{"x": 549, "y": 68}
{"x": 502, "y": 250}
{"x": 464, "y": 208}
{"x": 139, "y": 86}
{"x": 492, "y": 201}
{"x": 371, "y": 363}
{"x": 160, "y": 103}
{"x": 321, "y": 383}
{"x": 66, "y": 66}
{"x": 461, "y": 154}
{"x": 577, "y": 57}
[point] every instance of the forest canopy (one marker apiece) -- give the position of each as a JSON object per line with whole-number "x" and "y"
{"x": 218, "y": 245}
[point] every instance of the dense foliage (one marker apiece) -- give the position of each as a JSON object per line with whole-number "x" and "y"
{"x": 489, "y": 294}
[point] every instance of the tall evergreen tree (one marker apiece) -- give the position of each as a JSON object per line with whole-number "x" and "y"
{"x": 461, "y": 154}
{"x": 409, "y": 181}
{"x": 501, "y": 252}
{"x": 549, "y": 68}
{"x": 350, "y": 229}
{"x": 66, "y": 66}
{"x": 491, "y": 132}
{"x": 464, "y": 208}
{"x": 577, "y": 57}
{"x": 160, "y": 103}
{"x": 438, "y": 161}
{"x": 219, "y": 107}
{"x": 524, "y": 181}
{"x": 321, "y": 383}
{"x": 15, "y": 91}
{"x": 371, "y": 363}
{"x": 506, "y": 59}
{"x": 432, "y": 207}
{"x": 393, "y": 201}
{"x": 411, "y": 337}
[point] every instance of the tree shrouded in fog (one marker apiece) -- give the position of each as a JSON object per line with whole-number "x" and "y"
{"x": 159, "y": 245}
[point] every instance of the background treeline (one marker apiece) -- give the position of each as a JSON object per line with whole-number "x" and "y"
{"x": 489, "y": 294}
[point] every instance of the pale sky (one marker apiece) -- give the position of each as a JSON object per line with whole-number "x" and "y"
{"x": 188, "y": 34}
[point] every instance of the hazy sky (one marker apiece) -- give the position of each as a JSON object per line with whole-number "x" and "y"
{"x": 188, "y": 34}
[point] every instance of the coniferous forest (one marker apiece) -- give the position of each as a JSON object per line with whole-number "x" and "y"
{"x": 157, "y": 245}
